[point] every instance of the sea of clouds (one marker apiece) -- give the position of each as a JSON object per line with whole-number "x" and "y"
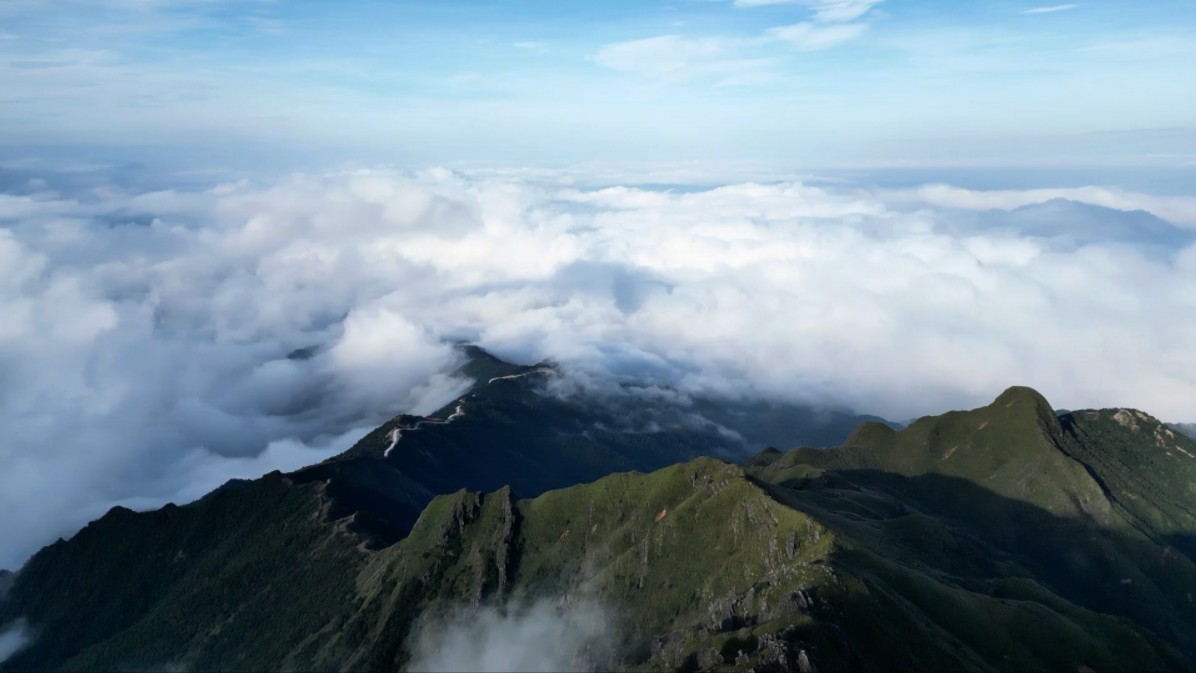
{"x": 154, "y": 344}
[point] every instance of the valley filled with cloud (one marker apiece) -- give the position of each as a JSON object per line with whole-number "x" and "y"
{"x": 156, "y": 343}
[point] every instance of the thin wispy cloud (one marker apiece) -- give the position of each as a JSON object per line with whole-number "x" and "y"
{"x": 809, "y": 36}
{"x": 824, "y": 10}
{"x": 299, "y": 78}
{"x": 832, "y": 23}
{"x": 1050, "y": 9}
{"x": 673, "y": 58}
{"x": 663, "y": 55}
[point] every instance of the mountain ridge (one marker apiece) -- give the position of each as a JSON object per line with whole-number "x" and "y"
{"x": 900, "y": 549}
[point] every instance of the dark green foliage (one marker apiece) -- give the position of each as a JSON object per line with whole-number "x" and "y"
{"x": 229, "y": 582}
{"x": 1009, "y": 496}
{"x": 1003, "y": 538}
{"x": 1147, "y": 470}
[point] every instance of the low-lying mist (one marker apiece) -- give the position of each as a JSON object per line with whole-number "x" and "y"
{"x": 542, "y": 636}
{"x": 13, "y": 638}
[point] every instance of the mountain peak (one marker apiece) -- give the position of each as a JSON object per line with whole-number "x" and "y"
{"x": 958, "y": 536}
{"x": 871, "y": 433}
{"x": 483, "y": 366}
{"x": 1019, "y": 395}
{"x": 1025, "y": 400}
{"x": 1013, "y": 447}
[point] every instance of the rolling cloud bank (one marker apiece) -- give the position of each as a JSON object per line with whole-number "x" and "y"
{"x": 156, "y": 344}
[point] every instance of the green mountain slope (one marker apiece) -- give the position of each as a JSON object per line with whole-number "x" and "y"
{"x": 510, "y": 429}
{"x": 705, "y": 566}
{"x": 1146, "y": 469}
{"x": 223, "y": 583}
{"x": 1003, "y": 538}
{"x": 511, "y": 432}
{"x": 1009, "y": 447}
{"x": 1009, "y": 492}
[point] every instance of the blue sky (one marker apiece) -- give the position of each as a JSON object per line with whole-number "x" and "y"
{"x": 807, "y": 83}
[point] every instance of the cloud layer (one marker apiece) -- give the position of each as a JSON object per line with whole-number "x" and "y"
{"x": 156, "y": 344}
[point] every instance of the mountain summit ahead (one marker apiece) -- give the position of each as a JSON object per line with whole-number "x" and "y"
{"x": 513, "y": 526}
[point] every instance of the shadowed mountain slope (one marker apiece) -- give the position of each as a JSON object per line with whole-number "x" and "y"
{"x": 1090, "y": 506}
{"x": 512, "y": 431}
{"x": 516, "y": 428}
{"x": 1002, "y": 538}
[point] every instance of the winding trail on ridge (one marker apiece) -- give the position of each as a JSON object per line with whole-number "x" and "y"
{"x": 396, "y": 434}
{"x": 509, "y": 377}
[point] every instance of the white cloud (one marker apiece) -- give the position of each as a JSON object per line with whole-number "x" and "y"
{"x": 252, "y": 327}
{"x": 675, "y": 58}
{"x": 661, "y": 55}
{"x": 543, "y": 637}
{"x": 12, "y": 640}
{"x": 835, "y": 11}
{"x": 833, "y": 23}
{"x": 808, "y": 36}
{"x": 827, "y": 11}
{"x": 1050, "y": 9}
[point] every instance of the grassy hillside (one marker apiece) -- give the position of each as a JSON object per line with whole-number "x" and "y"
{"x": 229, "y": 582}
{"x": 1146, "y": 469}
{"x": 1003, "y": 538}
{"x": 1009, "y": 492}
